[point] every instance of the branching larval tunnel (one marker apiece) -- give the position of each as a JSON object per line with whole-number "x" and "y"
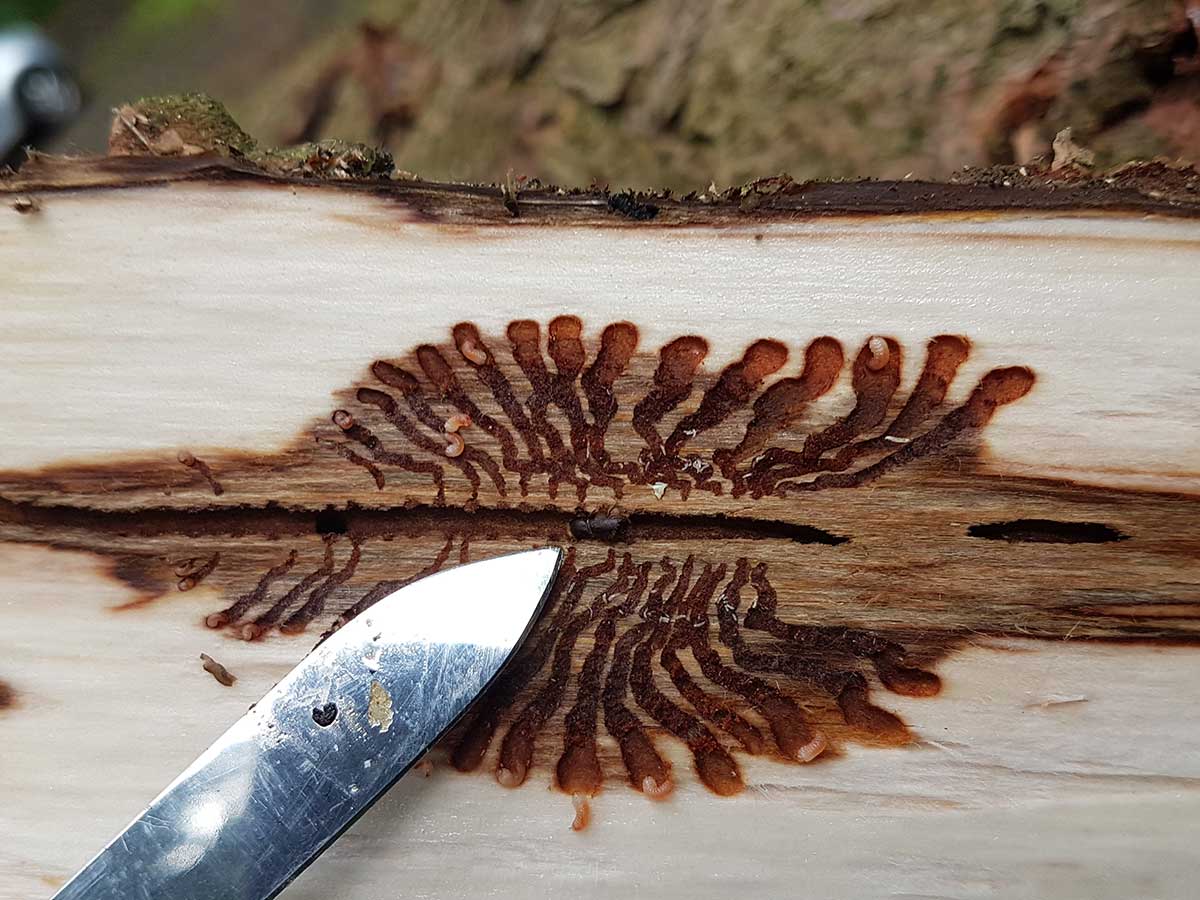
{"x": 755, "y": 555}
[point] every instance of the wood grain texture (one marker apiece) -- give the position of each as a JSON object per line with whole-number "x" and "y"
{"x": 927, "y": 505}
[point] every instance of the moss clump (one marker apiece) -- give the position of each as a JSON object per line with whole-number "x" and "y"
{"x": 206, "y": 118}
{"x": 198, "y": 121}
{"x": 328, "y": 159}
{"x": 193, "y": 124}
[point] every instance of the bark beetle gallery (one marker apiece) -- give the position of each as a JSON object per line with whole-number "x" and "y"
{"x": 752, "y": 554}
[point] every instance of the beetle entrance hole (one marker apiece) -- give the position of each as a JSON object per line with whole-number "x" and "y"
{"x": 332, "y": 521}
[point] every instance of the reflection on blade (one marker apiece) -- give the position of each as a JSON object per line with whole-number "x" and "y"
{"x": 310, "y": 757}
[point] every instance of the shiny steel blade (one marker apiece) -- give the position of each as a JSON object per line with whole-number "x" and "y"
{"x": 292, "y": 774}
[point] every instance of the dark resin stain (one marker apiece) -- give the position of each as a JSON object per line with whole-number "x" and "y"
{"x": 1047, "y": 531}
{"x": 700, "y": 603}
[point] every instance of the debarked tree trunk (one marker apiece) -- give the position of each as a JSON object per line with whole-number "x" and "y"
{"x": 880, "y": 504}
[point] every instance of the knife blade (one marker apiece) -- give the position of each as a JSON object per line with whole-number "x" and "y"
{"x": 243, "y": 820}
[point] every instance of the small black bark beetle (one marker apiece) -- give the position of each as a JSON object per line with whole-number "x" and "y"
{"x": 599, "y": 526}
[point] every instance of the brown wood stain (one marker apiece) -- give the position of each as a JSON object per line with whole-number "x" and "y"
{"x": 788, "y": 553}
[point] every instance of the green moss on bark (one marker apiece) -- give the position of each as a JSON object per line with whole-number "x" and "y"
{"x": 192, "y": 124}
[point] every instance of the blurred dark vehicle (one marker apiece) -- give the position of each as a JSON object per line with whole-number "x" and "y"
{"x": 39, "y": 94}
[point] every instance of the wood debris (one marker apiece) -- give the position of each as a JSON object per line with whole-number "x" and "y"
{"x": 217, "y": 671}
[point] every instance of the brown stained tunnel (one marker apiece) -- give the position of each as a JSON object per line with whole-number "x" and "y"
{"x": 699, "y": 603}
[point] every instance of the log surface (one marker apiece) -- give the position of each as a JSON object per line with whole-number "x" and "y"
{"x": 906, "y": 560}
